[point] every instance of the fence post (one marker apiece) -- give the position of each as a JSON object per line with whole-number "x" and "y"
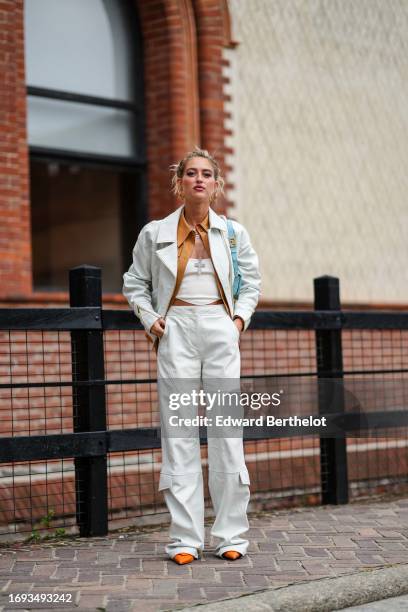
{"x": 91, "y": 486}
{"x": 333, "y": 451}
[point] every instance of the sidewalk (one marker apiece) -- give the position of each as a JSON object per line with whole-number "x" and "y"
{"x": 130, "y": 571}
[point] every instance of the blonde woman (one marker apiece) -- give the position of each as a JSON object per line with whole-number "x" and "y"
{"x": 180, "y": 285}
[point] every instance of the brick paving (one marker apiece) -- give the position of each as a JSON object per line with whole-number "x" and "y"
{"x": 131, "y": 572}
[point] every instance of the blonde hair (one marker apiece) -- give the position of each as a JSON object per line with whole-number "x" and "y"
{"x": 179, "y": 168}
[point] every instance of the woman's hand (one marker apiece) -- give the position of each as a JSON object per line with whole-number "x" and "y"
{"x": 238, "y": 322}
{"x": 157, "y": 328}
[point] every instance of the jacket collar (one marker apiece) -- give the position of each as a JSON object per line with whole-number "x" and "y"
{"x": 168, "y": 226}
{"x": 184, "y": 230}
{"x": 216, "y": 221}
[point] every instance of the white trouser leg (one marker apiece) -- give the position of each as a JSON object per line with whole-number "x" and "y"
{"x": 228, "y": 475}
{"x": 202, "y": 342}
{"x": 181, "y": 480}
{"x": 230, "y": 496}
{"x": 184, "y": 496}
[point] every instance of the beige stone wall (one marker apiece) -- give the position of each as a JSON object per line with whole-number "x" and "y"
{"x": 320, "y": 120}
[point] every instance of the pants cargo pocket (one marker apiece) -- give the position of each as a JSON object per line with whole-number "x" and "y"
{"x": 164, "y": 482}
{"x": 244, "y": 477}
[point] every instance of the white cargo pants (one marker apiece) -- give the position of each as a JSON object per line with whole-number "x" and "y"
{"x": 201, "y": 343}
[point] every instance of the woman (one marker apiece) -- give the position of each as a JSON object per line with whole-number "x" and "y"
{"x": 180, "y": 285}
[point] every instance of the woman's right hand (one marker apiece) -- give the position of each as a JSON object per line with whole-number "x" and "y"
{"x": 157, "y": 328}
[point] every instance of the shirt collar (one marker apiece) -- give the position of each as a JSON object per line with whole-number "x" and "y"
{"x": 184, "y": 230}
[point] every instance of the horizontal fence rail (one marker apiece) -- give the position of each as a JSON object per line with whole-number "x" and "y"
{"x": 83, "y": 376}
{"x": 99, "y": 443}
{"x": 85, "y": 318}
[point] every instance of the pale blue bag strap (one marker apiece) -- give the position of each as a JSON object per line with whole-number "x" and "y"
{"x": 234, "y": 255}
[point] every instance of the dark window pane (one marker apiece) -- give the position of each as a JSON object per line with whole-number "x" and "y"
{"x": 82, "y": 215}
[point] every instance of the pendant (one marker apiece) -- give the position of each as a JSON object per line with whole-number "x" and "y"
{"x": 199, "y": 265}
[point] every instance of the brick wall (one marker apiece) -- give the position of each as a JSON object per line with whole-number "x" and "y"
{"x": 171, "y": 93}
{"x": 15, "y": 247}
{"x": 184, "y": 83}
{"x": 213, "y": 35}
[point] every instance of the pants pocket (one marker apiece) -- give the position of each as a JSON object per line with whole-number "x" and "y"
{"x": 161, "y": 340}
{"x": 236, "y": 330}
{"x": 244, "y": 477}
{"x": 164, "y": 482}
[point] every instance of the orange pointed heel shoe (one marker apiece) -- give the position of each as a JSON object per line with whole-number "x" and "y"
{"x": 232, "y": 555}
{"x": 183, "y": 558}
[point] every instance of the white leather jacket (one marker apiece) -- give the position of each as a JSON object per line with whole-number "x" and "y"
{"x": 149, "y": 283}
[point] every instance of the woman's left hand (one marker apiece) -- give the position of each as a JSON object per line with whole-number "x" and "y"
{"x": 238, "y": 322}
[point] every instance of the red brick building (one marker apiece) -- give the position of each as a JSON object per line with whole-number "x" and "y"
{"x": 73, "y": 190}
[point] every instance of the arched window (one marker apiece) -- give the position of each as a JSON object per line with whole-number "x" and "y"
{"x": 85, "y": 130}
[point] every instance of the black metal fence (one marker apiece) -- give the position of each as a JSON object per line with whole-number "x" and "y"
{"x": 79, "y": 434}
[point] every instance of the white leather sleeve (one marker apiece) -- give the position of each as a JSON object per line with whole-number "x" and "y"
{"x": 251, "y": 279}
{"x": 137, "y": 281}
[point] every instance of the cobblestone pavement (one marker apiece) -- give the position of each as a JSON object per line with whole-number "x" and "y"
{"x": 130, "y": 571}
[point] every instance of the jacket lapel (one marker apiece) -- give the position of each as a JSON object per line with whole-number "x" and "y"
{"x": 220, "y": 253}
{"x": 168, "y": 234}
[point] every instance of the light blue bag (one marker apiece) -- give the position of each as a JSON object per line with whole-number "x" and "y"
{"x": 236, "y": 287}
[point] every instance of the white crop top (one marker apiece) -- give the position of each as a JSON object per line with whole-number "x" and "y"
{"x": 199, "y": 286}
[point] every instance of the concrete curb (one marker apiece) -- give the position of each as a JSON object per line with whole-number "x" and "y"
{"x": 320, "y": 595}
